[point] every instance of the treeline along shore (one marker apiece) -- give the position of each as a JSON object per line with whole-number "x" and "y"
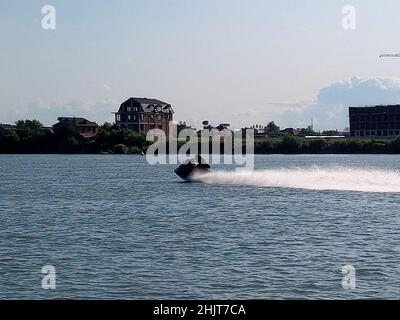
{"x": 29, "y": 137}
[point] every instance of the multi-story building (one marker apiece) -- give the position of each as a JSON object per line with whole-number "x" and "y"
{"x": 143, "y": 114}
{"x": 375, "y": 122}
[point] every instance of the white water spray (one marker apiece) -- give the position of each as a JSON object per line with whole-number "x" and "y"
{"x": 314, "y": 178}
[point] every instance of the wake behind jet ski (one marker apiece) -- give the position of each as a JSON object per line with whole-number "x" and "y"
{"x": 186, "y": 169}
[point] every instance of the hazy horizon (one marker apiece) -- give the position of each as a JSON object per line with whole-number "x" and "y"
{"x": 241, "y": 62}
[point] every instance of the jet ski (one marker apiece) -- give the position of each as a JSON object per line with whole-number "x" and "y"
{"x": 186, "y": 169}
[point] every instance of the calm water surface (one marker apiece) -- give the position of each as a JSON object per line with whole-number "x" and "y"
{"x": 116, "y": 227}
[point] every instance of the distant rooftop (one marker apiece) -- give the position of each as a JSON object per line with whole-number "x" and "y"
{"x": 7, "y": 126}
{"x": 375, "y": 109}
{"x": 148, "y": 101}
{"x": 79, "y": 121}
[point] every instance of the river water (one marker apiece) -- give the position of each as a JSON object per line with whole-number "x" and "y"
{"x": 115, "y": 227}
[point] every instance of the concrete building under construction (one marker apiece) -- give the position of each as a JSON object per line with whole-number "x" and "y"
{"x": 375, "y": 122}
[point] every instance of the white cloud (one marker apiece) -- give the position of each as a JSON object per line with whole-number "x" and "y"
{"x": 360, "y": 92}
{"x": 330, "y": 110}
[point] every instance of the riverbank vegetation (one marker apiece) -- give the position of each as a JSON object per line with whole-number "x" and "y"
{"x": 29, "y": 136}
{"x": 294, "y": 145}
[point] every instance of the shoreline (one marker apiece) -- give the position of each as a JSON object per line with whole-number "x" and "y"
{"x": 255, "y": 154}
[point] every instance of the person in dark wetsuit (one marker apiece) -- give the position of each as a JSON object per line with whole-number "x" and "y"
{"x": 187, "y": 168}
{"x": 202, "y": 164}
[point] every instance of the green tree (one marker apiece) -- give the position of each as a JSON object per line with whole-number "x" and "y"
{"x": 306, "y": 132}
{"x": 107, "y": 126}
{"x": 265, "y": 146}
{"x": 272, "y": 128}
{"x": 9, "y": 142}
{"x": 67, "y": 129}
{"x": 354, "y": 146}
{"x": 11, "y": 137}
{"x": 317, "y": 146}
{"x": 394, "y": 146}
{"x": 120, "y": 149}
{"x": 289, "y": 144}
{"x": 29, "y": 128}
{"x": 330, "y": 133}
{"x": 134, "y": 139}
{"x": 110, "y": 136}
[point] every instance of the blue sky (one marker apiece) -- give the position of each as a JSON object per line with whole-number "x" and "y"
{"x": 244, "y": 62}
